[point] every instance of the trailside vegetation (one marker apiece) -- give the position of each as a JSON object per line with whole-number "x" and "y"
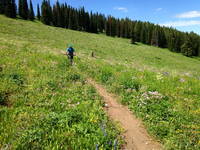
{"x": 46, "y": 104}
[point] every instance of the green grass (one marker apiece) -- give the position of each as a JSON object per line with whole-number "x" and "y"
{"x": 45, "y": 103}
{"x": 38, "y": 88}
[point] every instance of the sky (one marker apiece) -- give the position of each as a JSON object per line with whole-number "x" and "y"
{"x": 183, "y": 15}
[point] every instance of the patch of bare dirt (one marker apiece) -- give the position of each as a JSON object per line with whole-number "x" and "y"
{"x": 136, "y": 136}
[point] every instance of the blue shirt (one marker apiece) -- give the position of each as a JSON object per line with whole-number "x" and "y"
{"x": 70, "y": 50}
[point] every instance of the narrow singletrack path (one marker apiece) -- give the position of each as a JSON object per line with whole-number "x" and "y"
{"x": 136, "y": 137}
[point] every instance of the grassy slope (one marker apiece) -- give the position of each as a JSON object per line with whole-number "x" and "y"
{"x": 44, "y": 103}
{"x": 132, "y": 71}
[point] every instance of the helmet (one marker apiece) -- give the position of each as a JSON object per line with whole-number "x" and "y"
{"x": 70, "y": 45}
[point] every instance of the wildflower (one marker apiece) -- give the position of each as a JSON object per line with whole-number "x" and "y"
{"x": 106, "y": 105}
{"x": 159, "y": 76}
{"x": 182, "y": 80}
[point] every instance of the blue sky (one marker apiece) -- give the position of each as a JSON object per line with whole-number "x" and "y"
{"x": 181, "y": 14}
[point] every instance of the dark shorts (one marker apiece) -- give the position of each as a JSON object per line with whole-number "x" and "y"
{"x": 70, "y": 56}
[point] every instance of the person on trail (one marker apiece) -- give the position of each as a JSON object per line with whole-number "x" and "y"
{"x": 70, "y": 53}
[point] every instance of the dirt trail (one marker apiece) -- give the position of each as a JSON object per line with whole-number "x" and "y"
{"x": 136, "y": 136}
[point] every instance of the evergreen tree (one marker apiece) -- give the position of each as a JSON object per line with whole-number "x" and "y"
{"x": 195, "y": 40}
{"x": 108, "y": 26}
{"x": 62, "y": 16}
{"x": 143, "y": 33}
{"x": 155, "y": 36}
{"x": 93, "y": 23}
{"x": 186, "y": 48}
{"x": 70, "y": 25}
{"x": 118, "y": 28}
{"x": 133, "y": 39}
{"x": 137, "y": 30}
{"x": 46, "y": 17}
{"x": 38, "y": 12}
{"x": 23, "y": 9}
{"x": 31, "y": 12}
{"x": 14, "y": 9}
{"x": 55, "y": 14}
{"x": 20, "y": 7}
{"x": 122, "y": 31}
{"x": 8, "y": 8}
{"x": 2, "y": 6}
{"x": 66, "y": 15}
{"x": 87, "y": 22}
{"x": 162, "y": 42}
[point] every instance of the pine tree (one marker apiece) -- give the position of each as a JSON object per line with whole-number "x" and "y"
{"x": 31, "y": 12}
{"x": 195, "y": 40}
{"x": 133, "y": 39}
{"x": 2, "y": 6}
{"x": 55, "y": 15}
{"x": 93, "y": 23}
{"x": 186, "y": 48}
{"x": 137, "y": 30}
{"x": 46, "y": 17}
{"x": 143, "y": 35}
{"x": 20, "y": 7}
{"x": 66, "y": 14}
{"x": 8, "y": 8}
{"x": 14, "y": 9}
{"x": 108, "y": 26}
{"x": 118, "y": 28}
{"x": 23, "y": 9}
{"x": 62, "y": 16}
{"x": 155, "y": 36}
{"x": 122, "y": 28}
{"x": 70, "y": 25}
{"x": 38, "y": 12}
{"x": 87, "y": 22}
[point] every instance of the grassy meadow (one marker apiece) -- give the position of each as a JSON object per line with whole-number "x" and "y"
{"x": 46, "y": 104}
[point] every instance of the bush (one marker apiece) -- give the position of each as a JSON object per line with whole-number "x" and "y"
{"x": 105, "y": 75}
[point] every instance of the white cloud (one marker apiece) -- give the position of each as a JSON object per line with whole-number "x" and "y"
{"x": 159, "y": 9}
{"x": 181, "y": 23}
{"x": 190, "y": 14}
{"x": 123, "y": 9}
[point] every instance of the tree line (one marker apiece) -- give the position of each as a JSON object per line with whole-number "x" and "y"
{"x": 9, "y": 8}
{"x": 65, "y": 16}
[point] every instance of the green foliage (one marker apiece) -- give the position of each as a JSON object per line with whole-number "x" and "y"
{"x": 44, "y": 102}
{"x": 23, "y": 9}
{"x": 129, "y": 82}
{"x": 38, "y": 12}
{"x": 31, "y": 12}
{"x": 105, "y": 75}
{"x": 186, "y": 48}
{"x": 65, "y": 16}
{"x": 46, "y": 9}
{"x": 39, "y": 87}
{"x": 2, "y": 6}
{"x": 8, "y": 7}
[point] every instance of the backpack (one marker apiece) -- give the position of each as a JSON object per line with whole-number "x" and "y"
{"x": 70, "y": 50}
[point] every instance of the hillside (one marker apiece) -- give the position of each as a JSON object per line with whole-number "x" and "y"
{"x": 38, "y": 89}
